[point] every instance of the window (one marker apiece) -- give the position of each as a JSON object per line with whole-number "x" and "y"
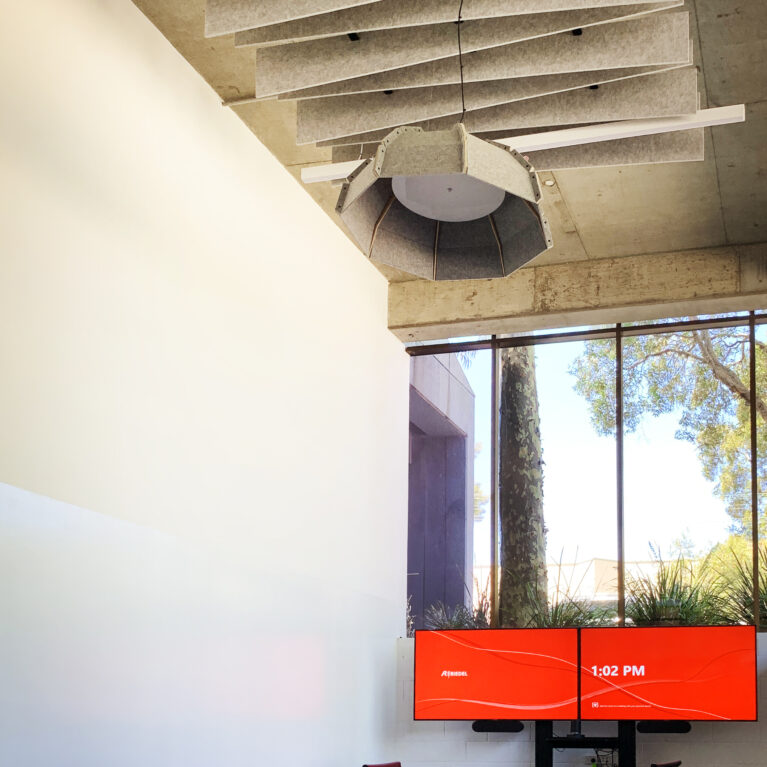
{"x": 616, "y": 452}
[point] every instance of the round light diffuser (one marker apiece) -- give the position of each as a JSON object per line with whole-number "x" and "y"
{"x": 445, "y": 205}
{"x": 447, "y": 196}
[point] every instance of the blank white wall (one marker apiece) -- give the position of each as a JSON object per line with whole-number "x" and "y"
{"x": 196, "y": 367}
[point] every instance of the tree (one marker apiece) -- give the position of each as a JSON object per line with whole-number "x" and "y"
{"x": 480, "y": 498}
{"x": 480, "y": 502}
{"x": 704, "y": 374}
{"x": 523, "y": 586}
{"x": 523, "y": 535}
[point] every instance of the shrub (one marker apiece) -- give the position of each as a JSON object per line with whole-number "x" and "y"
{"x": 679, "y": 593}
{"x": 440, "y": 616}
{"x": 735, "y": 581}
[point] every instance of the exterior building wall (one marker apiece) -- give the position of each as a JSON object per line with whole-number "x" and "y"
{"x": 441, "y": 485}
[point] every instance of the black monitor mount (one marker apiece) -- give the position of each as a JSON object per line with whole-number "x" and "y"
{"x": 546, "y": 742}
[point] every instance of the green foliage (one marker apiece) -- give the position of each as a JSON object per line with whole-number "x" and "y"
{"x": 466, "y": 358}
{"x": 683, "y": 546}
{"x": 480, "y": 498}
{"x": 714, "y": 591}
{"x": 680, "y": 593}
{"x": 409, "y": 618}
{"x": 440, "y": 616}
{"x": 732, "y": 565}
{"x": 704, "y": 374}
{"x": 482, "y": 610}
{"x": 480, "y": 502}
{"x": 566, "y": 612}
{"x": 563, "y": 610}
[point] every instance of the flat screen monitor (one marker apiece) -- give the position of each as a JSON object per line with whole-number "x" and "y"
{"x": 496, "y": 674}
{"x": 688, "y": 672}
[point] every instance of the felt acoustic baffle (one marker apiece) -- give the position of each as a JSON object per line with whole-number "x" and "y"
{"x": 664, "y": 94}
{"x": 350, "y": 147}
{"x": 529, "y": 24}
{"x": 627, "y": 44}
{"x": 507, "y": 43}
{"x": 360, "y": 68}
{"x": 349, "y": 152}
{"x": 660, "y": 94}
{"x": 321, "y": 119}
{"x": 222, "y": 17}
{"x": 491, "y": 245}
{"x": 394, "y": 14}
{"x": 681, "y": 146}
{"x": 365, "y": 150}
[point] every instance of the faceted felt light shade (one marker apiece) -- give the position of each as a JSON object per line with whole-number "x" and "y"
{"x": 482, "y": 219}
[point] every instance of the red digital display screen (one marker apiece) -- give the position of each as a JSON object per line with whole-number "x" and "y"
{"x": 688, "y": 673}
{"x": 692, "y": 673}
{"x": 496, "y": 674}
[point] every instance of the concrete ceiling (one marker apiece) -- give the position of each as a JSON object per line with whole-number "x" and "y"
{"x": 596, "y": 213}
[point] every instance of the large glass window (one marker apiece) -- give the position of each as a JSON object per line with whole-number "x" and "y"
{"x": 686, "y": 470}
{"x": 449, "y": 486}
{"x": 595, "y": 475}
{"x": 478, "y": 371}
{"x": 760, "y": 359}
{"x": 557, "y": 488}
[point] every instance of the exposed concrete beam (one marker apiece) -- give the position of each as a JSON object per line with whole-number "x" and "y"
{"x": 627, "y": 289}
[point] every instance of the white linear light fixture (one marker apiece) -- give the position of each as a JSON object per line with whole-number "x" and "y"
{"x": 445, "y": 205}
{"x": 570, "y": 137}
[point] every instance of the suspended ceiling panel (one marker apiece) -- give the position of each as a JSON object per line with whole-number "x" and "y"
{"x": 521, "y": 61}
{"x": 334, "y": 117}
{"x": 654, "y": 95}
{"x": 491, "y": 50}
{"x": 225, "y": 16}
{"x": 662, "y": 95}
{"x": 595, "y": 208}
{"x": 501, "y": 69}
{"x": 282, "y": 68}
{"x": 395, "y": 14}
{"x": 683, "y": 146}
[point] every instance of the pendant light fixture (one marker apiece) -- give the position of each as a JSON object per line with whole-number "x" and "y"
{"x": 445, "y": 205}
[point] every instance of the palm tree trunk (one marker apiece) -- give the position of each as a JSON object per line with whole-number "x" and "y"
{"x": 523, "y": 535}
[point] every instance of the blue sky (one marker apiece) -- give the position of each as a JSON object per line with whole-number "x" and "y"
{"x": 665, "y": 494}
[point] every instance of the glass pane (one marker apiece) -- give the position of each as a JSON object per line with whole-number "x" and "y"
{"x": 478, "y": 371}
{"x": 687, "y": 465}
{"x": 558, "y": 484}
{"x": 449, "y": 433}
{"x": 761, "y": 439}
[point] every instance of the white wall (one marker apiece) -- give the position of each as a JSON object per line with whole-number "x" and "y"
{"x": 194, "y": 363}
{"x": 454, "y": 744}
